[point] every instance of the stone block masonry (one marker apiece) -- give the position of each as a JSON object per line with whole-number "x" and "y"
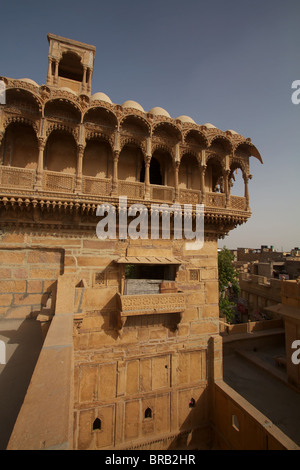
{"x": 27, "y": 279}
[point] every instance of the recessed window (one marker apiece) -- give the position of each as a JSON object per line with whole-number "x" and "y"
{"x": 192, "y": 403}
{"x": 235, "y": 423}
{"x": 97, "y": 424}
{"x": 148, "y": 413}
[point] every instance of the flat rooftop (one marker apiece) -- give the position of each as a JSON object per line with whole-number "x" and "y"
{"x": 254, "y": 375}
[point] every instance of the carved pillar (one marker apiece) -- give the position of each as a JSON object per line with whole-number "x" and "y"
{"x": 89, "y": 84}
{"x": 176, "y": 178}
{"x": 40, "y": 168}
{"x": 147, "y": 176}
{"x": 80, "y": 152}
{"x": 226, "y": 188}
{"x": 49, "y": 74}
{"x": 114, "y": 189}
{"x": 246, "y": 178}
{"x": 202, "y": 182}
{"x": 84, "y": 79}
{"x": 56, "y": 72}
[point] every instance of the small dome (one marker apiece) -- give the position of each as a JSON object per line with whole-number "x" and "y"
{"x": 209, "y": 125}
{"x": 28, "y": 80}
{"x": 232, "y": 132}
{"x": 101, "y": 97}
{"x": 186, "y": 119}
{"x": 157, "y": 111}
{"x": 133, "y": 104}
{"x": 65, "y": 88}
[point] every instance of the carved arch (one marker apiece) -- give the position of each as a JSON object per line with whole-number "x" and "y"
{"x": 249, "y": 149}
{"x": 224, "y": 141}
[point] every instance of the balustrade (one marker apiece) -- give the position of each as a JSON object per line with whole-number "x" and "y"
{"x": 23, "y": 178}
{"x": 161, "y": 193}
{"x": 92, "y": 185}
{"x": 189, "y": 196}
{"x": 215, "y": 199}
{"x": 238, "y": 202}
{"x": 131, "y": 189}
{"x": 55, "y": 181}
{"x": 17, "y": 177}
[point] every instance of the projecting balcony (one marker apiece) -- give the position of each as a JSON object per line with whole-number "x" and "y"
{"x": 15, "y": 179}
{"x": 151, "y": 304}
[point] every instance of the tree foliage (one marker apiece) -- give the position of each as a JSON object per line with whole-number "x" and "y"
{"x": 228, "y": 283}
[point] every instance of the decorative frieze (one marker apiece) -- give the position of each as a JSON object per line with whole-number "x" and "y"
{"x": 151, "y": 304}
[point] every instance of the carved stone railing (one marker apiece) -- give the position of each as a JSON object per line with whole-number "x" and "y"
{"x": 92, "y": 185}
{"x": 12, "y": 177}
{"x": 151, "y": 304}
{"x": 215, "y": 199}
{"x": 238, "y": 202}
{"x": 25, "y": 179}
{"x": 131, "y": 189}
{"x": 189, "y": 196}
{"x": 69, "y": 83}
{"x": 161, "y": 193}
{"x": 55, "y": 181}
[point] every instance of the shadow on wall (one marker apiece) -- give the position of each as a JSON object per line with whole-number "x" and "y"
{"x": 195, "y": 432}
{"x": 24, "y": 340}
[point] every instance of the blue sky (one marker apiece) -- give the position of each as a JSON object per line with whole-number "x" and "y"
{"x": 227, "y": 62}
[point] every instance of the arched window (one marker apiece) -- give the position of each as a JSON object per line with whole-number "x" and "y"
{"x": 155, "y": 172}
{"x": 70, "y": 66}
{"x": 236, "y": 181}
{"x": 60, "y": 152}
{"x": 97, "y": 159}
{"x": 19, "y": 147}
{"x": 97, "y": 424}
{"x": 130, "y": 163}
{"x": 148, "y": 413}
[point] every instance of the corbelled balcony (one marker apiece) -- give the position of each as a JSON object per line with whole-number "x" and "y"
{"x": 66, "y": 151}
{"x": 151, "y": 304}
{"x": 22, "y": 179}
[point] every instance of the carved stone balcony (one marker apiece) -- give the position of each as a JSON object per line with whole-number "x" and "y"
{"x": 151, "y": 304}
{"x": 73, "y": 199}
{"x": 25, "y": 179}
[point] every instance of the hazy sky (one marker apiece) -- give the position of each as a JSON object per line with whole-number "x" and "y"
{"x": 228, "y": 62}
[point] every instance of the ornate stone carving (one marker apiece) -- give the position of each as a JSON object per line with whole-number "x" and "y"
{"x": 151, "y": 304}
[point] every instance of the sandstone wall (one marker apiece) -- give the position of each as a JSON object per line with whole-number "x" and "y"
{"x": 124, "y": 365}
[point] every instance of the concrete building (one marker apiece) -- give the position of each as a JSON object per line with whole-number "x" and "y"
{"x": 129, "y": 354}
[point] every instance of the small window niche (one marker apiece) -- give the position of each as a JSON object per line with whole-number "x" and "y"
{"x": 235, "y": 422}
{"x": 148, "y": 413}
{"x": 192, "y": 403}
{"x": 97, "y": 424}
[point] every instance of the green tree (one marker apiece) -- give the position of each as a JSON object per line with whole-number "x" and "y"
{"x": 228, "y": 282}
